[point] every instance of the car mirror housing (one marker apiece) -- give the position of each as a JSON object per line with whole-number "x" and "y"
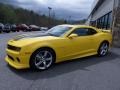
{"x": 73, "y": 36}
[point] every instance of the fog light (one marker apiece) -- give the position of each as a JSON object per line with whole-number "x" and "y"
{"x": 18, "y": 59}
{"x": 11, "y": 57}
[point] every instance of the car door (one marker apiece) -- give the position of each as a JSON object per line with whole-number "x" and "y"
{"x": 84, "y": 43}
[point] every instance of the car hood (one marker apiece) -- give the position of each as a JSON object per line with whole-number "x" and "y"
{"x": 30, "y": 35}
{"x": 26, "y": 39}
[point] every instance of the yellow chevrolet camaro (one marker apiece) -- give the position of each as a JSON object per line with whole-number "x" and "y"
{"x": 60, "y": 43}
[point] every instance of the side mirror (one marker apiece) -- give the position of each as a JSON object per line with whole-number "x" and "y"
{"x": 73, "y": 36}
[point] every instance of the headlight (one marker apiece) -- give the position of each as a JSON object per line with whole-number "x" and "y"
{"x": 14, "y": 48}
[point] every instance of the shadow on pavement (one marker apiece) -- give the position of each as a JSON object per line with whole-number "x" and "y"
{"x": 64, "y": 67}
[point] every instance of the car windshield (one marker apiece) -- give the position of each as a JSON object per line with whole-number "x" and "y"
{"x": 58, "y": 30}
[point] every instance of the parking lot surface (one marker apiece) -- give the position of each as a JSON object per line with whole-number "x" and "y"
{"x": 91, "y": 73}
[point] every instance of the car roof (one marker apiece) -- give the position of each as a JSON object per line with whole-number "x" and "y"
{"x": 77, "y": 26}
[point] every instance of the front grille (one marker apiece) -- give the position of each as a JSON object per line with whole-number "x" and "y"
{"x": 13, "y": 48}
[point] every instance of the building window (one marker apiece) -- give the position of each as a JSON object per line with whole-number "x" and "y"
{"x": 104, "y": 22}
{"x": 93, "y": 23}
{"x": 109, "y": 20}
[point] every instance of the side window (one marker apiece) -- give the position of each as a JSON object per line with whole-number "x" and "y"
{"x": 84, "y": 31}
{"x": 81, "y": 32}
{"x": 91, "y": 31}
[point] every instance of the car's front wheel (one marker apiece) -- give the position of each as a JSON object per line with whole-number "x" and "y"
{"x": 42, "y": 59}
{"x": 103, "y": 49}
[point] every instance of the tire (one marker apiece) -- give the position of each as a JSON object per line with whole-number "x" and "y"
{"x": 42, "y": 59}
{"x": 103, "y": 49}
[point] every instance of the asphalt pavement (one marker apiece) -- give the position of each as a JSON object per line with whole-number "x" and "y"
{"x": 91, "y": 73}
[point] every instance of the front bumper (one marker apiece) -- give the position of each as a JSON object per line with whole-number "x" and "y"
{"x": 15, "y": 65}
{"x": 17, "y": 60}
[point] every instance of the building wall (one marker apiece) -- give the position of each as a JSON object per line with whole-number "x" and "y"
{"x": 102, "y": 16}
{"x": 105, "y": 8}
{"x": 88, "y": 20}
{"x": 94, "y": 4}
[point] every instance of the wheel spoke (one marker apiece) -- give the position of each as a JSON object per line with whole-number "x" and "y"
{"x": 45, "y": 53}
{"x": 105, "y": 47}
{"x": 102, "y": 47}
{"x": 43, "y": 59}
{"x": 38, "y": 56}
{"x": 48, "y": 59}
{"x": 39, "y": 63}
{"x": 102, "y": 52}
{"x": 44, "y": 63}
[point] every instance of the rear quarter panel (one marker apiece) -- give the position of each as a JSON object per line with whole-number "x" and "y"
{"x": 105, "y": 35}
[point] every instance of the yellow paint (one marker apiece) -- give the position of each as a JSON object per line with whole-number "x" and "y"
{"x": 65, "y": 48}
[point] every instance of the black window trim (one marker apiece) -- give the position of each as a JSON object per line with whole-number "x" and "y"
{"x": 82, "y": 28}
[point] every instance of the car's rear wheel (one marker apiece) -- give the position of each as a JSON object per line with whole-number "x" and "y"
{"x": 103, "y": 49}
{"x": 42, "y": 59}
